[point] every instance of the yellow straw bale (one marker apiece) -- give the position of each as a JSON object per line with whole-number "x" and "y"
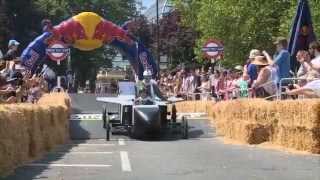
{"x": 304, "y": 113}
{"x": 246, "y": 132}
{"x": 27, "y": 130}
{"x": 298, "y": 138}
{"x": 14, "y": 142}
{"x": 292, "y": 124}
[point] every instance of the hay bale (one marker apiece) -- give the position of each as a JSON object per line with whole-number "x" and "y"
{"x": 299, "y": 138}
{"x": 35, "y": 132}
{"x": 291, "y": 124}
{"x": 303, "y": 113}
{"x": 14, "y": 140}
{"x": 27, "y": 131}
{"x": 193, "y": 106}
{"x": 245, "y": 132}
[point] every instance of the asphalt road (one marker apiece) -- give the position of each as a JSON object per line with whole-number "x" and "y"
{"x": 201, "y": 157}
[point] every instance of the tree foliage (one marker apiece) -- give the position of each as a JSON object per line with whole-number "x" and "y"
{"x": 241, "y": 24}
{"x": 141, "y": 29}
{"x": 176, "y": 41}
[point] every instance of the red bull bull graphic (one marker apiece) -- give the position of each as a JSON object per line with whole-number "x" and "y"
{"x": 88, "y": 31}
{"x": 70, "y": 31}
{"x": 114, "y": 33}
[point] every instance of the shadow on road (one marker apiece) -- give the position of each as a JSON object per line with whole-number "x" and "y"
{"x": 198, "y": 129}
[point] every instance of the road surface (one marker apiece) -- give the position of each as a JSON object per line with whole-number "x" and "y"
{"x": 201, "y": 157}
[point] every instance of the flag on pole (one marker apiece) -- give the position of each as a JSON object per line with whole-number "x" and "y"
{"x": 302, "y": 33}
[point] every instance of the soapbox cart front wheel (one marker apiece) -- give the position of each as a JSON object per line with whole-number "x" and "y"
{"x": 184, "y": 128}
{"x": 106, "y": 123}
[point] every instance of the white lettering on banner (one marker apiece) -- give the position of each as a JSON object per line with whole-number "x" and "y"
{"x": 144, "y": 60}
{"x": 34, "y": 57}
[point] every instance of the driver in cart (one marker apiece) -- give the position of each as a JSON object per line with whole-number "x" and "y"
{"x": 148, "y": 90}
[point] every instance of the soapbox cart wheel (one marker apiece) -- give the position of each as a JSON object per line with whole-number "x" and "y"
{"x": 184, "y": 128}
{"x": 106, "y": 123}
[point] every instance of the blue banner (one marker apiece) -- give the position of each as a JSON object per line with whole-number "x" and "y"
{"x": 139, "y": 57}
{"x": 302, "y": 33}
{"x": 146, "y": 59}
{"x": 35, "y": 52}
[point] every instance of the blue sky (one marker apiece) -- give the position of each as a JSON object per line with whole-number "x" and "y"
{"x": 148, "y": 3}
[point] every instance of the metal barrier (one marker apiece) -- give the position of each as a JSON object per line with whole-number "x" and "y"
{"x": 193, "y": 95}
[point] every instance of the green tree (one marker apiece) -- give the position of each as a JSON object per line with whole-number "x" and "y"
{"x": 176, "y": 41}
{"x": 141, "y": 29}
{"x": 241, "y": 24}
{"x": 55, "y": 10}
{"x": 4, "y": 31}
{"x": 23, "y": 20}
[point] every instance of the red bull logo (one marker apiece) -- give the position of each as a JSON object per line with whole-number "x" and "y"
{"x": 101, "y": 33}
{"x": 107, "y": 32}
{"x": 88, "y": 31}
{"x": 71, "y": 31}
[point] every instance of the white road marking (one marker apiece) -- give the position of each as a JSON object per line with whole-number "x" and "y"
{"x": 121, "y": 142}
{"x": 68, "y": 165}
{"x": 91, "y": 145}
{"x": 125, "y": 162}
{"x": 79, "y": 152}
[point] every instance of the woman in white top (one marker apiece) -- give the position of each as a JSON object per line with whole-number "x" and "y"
{"x": 205, "y": 88}
{"x": 265, "y": 85}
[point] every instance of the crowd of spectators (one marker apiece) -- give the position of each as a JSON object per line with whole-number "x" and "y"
{"x": 261, "y": 76}
{"x": 204, "y": 84}
{"x": 16, "y": 83}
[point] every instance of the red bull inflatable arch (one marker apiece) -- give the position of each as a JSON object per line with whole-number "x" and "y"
{"x": 88, "y": 31}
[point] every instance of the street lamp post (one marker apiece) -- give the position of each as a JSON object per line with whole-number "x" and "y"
{"x": 158, "y": 36}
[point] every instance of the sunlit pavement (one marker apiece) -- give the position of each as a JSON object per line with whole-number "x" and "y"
{"x": 203, "y": 156}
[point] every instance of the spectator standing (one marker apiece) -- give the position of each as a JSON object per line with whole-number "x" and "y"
{"x": 184, "y": 85}
{"x": 242, "y": 84}
{"x": 205, "y": 88}
{"x": 177, "y": 83}
{"x": 229, "y": 86}
{"x": 197, "y": 83}
{"x": 221, "y": 86}
{"x": 251, "y": 69}
{"x": 169, "y": 84}
{"x": 281, "y": 58}
{"x": 10, "y": 57}
{"x": 264, "y": 86}
{"x": 49, "y": 75}
{"x": 12, "y": 52}
{"x": 214, "y": 78}
{"x": 190, "y": 84}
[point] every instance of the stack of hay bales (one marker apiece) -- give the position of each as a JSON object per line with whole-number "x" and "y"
{"x": 193, "y": 106}
{"x": 291, "y": 124}
{"x": 27, "y": 131}
{"x": 243, "y": 120}
{"x": 298, "y": 125}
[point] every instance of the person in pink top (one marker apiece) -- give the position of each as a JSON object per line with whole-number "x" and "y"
{"x": 221, "y": 86}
